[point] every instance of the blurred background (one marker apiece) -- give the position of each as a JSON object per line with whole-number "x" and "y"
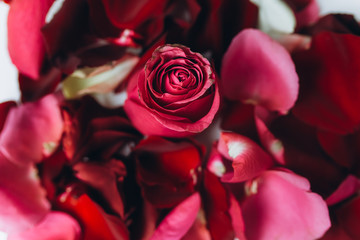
{"x": 8, "y": 73}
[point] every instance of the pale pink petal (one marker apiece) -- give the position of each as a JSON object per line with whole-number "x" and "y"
{"x": 248, "y": 159}
{"x": 179, "y": 220}
{"x": 55, "y": 226}
{"x": 258, "y": 70}
{"x": 22, "y": 199}
{"x": 348, "y": 187}
{"x": 32, "y": 131}
{"x": 25, "y": 42}
{"x": 280, "y": 206}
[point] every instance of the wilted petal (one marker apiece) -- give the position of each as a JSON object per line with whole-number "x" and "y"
{"x": 258, "y": 70}
{"x": 102, "y": 79}
{"x": 179, "y": 220}
{"x": 248, "y": 159}
{"x": 280, "y": 206}
{"x": 32, "y": 130}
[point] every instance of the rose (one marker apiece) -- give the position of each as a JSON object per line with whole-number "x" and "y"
{"x": 176, "y": 93}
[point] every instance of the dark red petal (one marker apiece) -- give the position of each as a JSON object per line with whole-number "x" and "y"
{"x": 4, "y": 110}
{"x": 330, "y": 83}
{"x": 216, "y": 201}
{"x": 96, "y": 224}
{"x": 349, "y": 217}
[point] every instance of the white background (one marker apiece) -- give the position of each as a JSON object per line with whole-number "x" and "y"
{"x": 8, "y": 74}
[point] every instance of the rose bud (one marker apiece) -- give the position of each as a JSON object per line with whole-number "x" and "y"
{"x": 176, "y": 94}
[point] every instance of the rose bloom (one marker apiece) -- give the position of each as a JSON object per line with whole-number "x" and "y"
{"x": 176, "y": 93}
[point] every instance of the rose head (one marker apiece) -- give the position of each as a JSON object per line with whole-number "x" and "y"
{"x": 176, "y": 93}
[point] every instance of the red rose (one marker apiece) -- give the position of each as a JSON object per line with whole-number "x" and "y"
{"x": 176, "y": 93}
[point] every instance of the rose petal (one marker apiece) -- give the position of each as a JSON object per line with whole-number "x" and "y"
{"x": 277, "y": 209}
{"x": 330, "y": 83}
{"x": 23, "y": 200}
{"x": 218, "y": 209}
{"x": 273, "y": 145}
{"x": 179, "y": 220}
{"x": 258, "y": 70}
{"x": 25, "y": 43}
{"x": 348, "y": 187}
{"x": 55, "y": 225}
{"x": 96, "y": 223}
{"x": 248, "y": 159}
{"x": 31, "y": 130}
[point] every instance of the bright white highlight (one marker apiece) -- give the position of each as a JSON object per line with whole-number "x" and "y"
{"x": 55, "y": 7}
{"x": 3, "y": 235}
{"x": 236, "y": 148}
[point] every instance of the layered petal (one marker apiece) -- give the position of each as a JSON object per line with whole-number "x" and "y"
{"x": 329, "y": 78}
{"x": 167, "y": 171}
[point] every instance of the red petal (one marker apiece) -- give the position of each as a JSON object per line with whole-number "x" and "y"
{"x": 248, "y": 159}
{"x": 95, "y": 222}
{"x": 217, "y": 206}
{"x": 26, "y": 46}
{"x": 349, "y": 218}
{"x": 258, "y": 70}
{"x": 330, "y": 83}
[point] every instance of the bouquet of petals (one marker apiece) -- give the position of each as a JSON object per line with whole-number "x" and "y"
{"x": 181, "y": 119}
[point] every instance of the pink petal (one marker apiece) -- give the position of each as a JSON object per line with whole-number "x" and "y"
{"x": 348, "y": 187}
{"x": 258, "y": 70}
{"x": 25, "y": 42}
{"x": 22, "y": 200}
{"x": 248, "y": 159}
{"x": 273, "y": 145}
{"x": 55, "y": 225}
{"x": 237, "y": 218}
{"x": 308, "y": 15}
{"x": 179, "y": 220}
{"x": 31, "y": 130}
{"x": 280, "y": 206}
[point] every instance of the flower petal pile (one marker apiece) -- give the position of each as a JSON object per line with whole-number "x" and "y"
{"x": 181, "y": 120}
